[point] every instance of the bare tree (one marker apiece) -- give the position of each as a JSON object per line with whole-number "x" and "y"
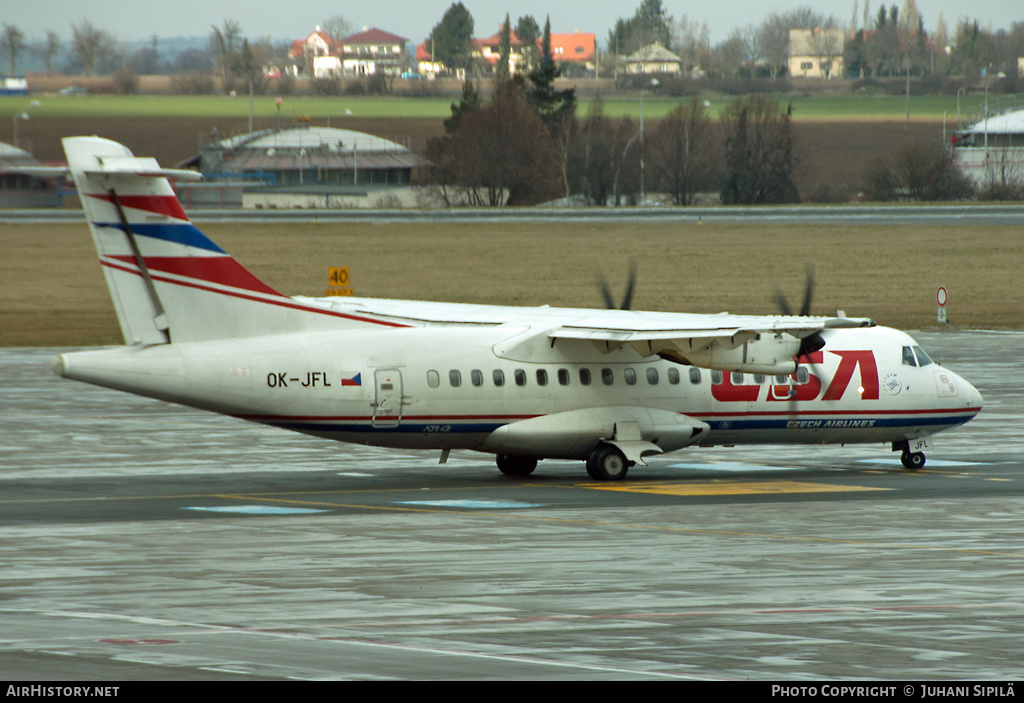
{"x": 920, "y": 170}
{"x": 606, "y": 158}
{"x": 1004, "y": 176}
{"x": 90, "y": 45}
{"x": 336, "y": 27}
{"x": 684, "y": 152}
{"x": 691, "y": 42}
{"x": 732, "y": 54}
{"x": 47, "y": 48}
{"x": 758, "y": 153}
{"x": 773, "y": 38}
{"x": 223, "y": 42}
{"x": 12, "y": 41}
{"x": 495, "y": 155}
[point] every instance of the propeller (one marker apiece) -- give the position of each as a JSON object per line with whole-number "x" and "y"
{"x": 627, "y": 298}
{"x": 811, "y": 343}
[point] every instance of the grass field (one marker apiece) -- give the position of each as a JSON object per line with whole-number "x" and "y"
{"x": 831, "y": 107}
{"x": 54, "y": 293}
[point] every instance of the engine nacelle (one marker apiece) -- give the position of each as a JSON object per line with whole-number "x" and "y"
{"x": 769, "y": 354}
{"x": 574, "y": 434}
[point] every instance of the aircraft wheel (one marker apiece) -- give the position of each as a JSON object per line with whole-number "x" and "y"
{"x": 511, "y": 465}
{"x": 912, "y": 460}
{"x": 607, "y": 463}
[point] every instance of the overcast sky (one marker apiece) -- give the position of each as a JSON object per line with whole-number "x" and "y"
{"x": 138, "y": 19}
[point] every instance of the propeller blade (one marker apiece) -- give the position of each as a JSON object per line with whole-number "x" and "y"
{"x": 780, "y": 300}
{"x": 805, "y": 309}
{"x": 606, "y": 292}
{"x": 627, "y": 298}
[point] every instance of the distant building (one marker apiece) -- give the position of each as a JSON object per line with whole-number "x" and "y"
{"x": 372, "y": 51}
{"x": 24, "y": 190}
{"x": 311, "y": 166}
{"x": 992, "y": 148}
{"x": 575, "y": 48}
{"x": 13, "y": 86}
{"x": 653, "y": 58}
{"x": 816, "y": 53}
{"x": 318, "y": 45}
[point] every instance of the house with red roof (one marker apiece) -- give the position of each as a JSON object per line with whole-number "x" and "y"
{"x": 577, "y": 47}
{"x": 371, "y": 51}
{"x": 318, "y": 45}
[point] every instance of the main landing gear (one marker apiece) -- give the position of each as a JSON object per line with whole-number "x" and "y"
{"x": 607, "y": 463}
{"x": 511, "y": 465}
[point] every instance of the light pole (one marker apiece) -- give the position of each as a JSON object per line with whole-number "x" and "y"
{"x": 654, "y": 84}
{"x": 23, "y": 115}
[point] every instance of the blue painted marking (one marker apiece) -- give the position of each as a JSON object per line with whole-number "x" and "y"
{"x": 486, "y": 504}
{"x": 184, "y": 233}
{"x": 930, "y": 464}
{"x": 256, "y": 510}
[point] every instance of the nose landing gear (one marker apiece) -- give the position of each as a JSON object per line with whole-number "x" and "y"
{"x": 912, "y": 457}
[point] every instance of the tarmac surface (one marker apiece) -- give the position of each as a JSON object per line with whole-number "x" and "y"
{"x": 141, "y": 540}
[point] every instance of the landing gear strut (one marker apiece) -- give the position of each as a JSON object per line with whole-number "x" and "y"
{"x": 607, "y": 463}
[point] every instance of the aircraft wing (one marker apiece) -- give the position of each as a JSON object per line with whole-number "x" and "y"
{"x": 765, "y": 344}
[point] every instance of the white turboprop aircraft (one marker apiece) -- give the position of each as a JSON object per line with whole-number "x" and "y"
{"x": 605, "y": 386}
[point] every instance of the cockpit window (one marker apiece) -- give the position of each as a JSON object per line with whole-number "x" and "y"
{"x": 909, "y": 354}
{"x": 922, "y": 358}
{"x": 908, "y": 357}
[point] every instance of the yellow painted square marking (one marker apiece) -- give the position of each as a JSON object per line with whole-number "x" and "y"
{"x": 727, "y": 488}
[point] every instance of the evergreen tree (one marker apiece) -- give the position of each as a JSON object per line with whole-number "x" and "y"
{"x": 553, "y": 106}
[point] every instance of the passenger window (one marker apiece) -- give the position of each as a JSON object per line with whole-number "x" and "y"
{"x": 455, "y": 378}
{"x": 803, "y": 375}
{"x": 716, "y": 376}
{"x": 737, "y": 378}
{"x": 477, "y": 377}
{"x": 563, "y": 377}
{"x": 630, "y": 376}
{"x": 673, "y": 375}
{"x": 908, "y": 357}
{"x": 585, "y": 377}
{"x": 758, "y": 379}
{"x": 922, "y": 358}
{"x": 607, "y": 377}
{"x": 694, "y": 376}
{"x": 542, "y": 377}
{"x": 520, "y": 377}
{"x": 652, "y": 376}
{"x": 433, "y": 379}
{"x": 499, "y": 377}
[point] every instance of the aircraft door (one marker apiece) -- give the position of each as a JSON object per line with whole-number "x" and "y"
{"x": 387, "y": 400}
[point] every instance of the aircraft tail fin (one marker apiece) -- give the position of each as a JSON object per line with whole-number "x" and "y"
{"x": 168, "y": 281}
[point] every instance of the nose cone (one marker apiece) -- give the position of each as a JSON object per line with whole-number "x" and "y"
{"x": 973, "y": 396}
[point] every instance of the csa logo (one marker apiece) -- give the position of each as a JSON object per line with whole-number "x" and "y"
{"x": 891, "y": 384}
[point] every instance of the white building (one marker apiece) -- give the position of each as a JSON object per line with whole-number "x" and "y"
{"x": 992, "y": 148}
{"x": 816, "y": 53}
